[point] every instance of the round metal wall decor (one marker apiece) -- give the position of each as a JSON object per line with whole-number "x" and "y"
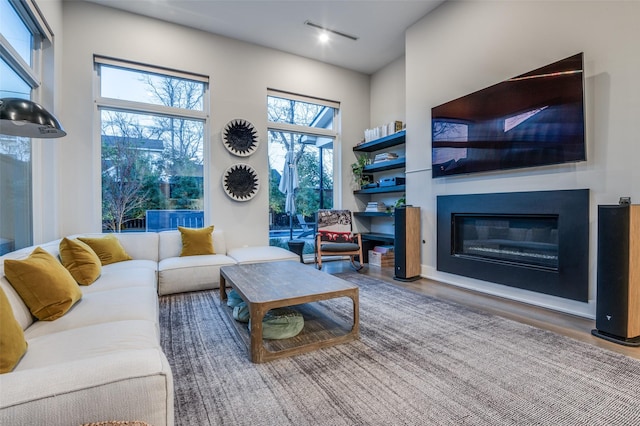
{"x": 240, "y": 138}
{"x": 240, "y": 182}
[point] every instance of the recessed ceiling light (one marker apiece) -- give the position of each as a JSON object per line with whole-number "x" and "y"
{"x": 329, "y": 30}
{"x": 323, "y": 37}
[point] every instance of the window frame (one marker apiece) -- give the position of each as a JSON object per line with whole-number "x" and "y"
{"x": 101, "y": 103}
{"x": 334, "y": 133}
{"x": 141, "y": 107}
{"x": 33, "y": 75}
{"x": 307, "y": 130}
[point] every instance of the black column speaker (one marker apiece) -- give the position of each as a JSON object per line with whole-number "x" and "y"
{"x": 618, "y": 286}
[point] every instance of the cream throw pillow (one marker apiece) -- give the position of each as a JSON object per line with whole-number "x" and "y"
{"x": 108, "y": 249}
{"x": 44, "y": 285}
{"x": 196, "y": 241}
{"x": 80, "y": 260}
{"x": 12, "y": 343}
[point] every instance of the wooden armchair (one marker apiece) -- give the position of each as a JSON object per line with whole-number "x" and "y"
{"x": 335, "y": 237}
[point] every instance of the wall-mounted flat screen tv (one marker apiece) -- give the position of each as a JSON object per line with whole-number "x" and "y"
{"x": 530, "y": 120}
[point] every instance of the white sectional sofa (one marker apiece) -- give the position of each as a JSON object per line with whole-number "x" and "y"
{"x": 102, "y": 360}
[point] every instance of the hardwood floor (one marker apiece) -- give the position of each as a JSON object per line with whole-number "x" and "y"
{"x": 572, "y": 326}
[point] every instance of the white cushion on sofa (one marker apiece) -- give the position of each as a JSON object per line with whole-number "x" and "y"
{"x": 246, "y": 255}
{"x": 135, "y": 303}
{"x": 94, "y": 340}
{"x": 20, "y": 311}
{"x": 138, "y": 245}
{"x": 121, "y": 384}
{"x": 53, "y": 247}
{"x": 136, "y": 273}
{"x": 151, "y": 265}
{"x": 191, "y": 273}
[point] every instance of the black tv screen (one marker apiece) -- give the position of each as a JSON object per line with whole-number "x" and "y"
{"x": 530, "y": 120}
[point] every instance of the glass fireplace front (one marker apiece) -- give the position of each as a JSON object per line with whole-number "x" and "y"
{"x": 527, "y": 240}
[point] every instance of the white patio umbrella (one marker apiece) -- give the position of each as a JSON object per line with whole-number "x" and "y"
{"x": 288, "y": 186}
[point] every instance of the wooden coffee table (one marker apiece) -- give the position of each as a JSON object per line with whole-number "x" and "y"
{"x": 270, "y": 285}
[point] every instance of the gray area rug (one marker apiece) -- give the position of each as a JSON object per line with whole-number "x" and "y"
{"x": 419, "y": 361}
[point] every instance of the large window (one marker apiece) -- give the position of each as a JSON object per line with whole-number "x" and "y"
{"x": 16, "y": 31}
{"x": 153, "y": 125}
{"x": 301, "y": 137}
{"x": 21, "y": 41}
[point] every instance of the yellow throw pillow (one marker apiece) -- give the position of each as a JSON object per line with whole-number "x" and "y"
{"x": 108, "y": 249}
{"x": 80, "y": 259}
{"x": 196, "y": 241}
{"x": 44, "y": 285}
{"x": 12, "y": 343}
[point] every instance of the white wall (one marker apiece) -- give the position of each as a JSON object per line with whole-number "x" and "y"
{"x": 388, "y": 93}
{"x": 44, "y": 151}
{"x": 465, "y": 46}
{"x": 240, "y": 74}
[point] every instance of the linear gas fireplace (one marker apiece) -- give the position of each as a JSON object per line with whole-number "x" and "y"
{"x": 527, "y": 240}
{"x": 538, "y": 241}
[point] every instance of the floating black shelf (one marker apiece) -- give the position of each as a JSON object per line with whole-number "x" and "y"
{"x": 373, "y": 214}
{"x": 397, "y": 138}
{"x": 385, "y": 165}
{"x": 381, "y": 189}
{"x": 367, "y": 218}
{"x": 375, "y": 236}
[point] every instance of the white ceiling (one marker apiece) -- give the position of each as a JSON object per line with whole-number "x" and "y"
{"x": 379, "y": 25}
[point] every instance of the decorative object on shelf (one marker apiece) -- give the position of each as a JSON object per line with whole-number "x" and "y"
{"x": 382, "y": 131}
{"x": 401, "y": 201}
{"x": 384, "y": 156}
{"x": 392, "y": 181}
{"x": 240, "y": 138}
{"x": 240, "y": 182}
{"x": 357, "y": 168}
{"x": 376, "y": 206}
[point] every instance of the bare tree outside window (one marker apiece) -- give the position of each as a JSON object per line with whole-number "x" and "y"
{"x": 151, "y": 161}
{"x": 125, "y": 167}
